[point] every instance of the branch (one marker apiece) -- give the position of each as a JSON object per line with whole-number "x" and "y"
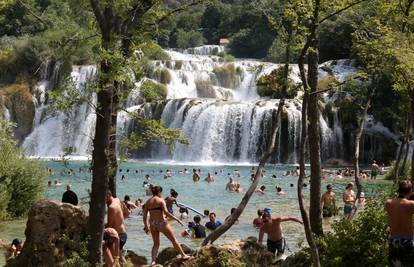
{"x": 31, "y": 12}
{"x": 342, "y": 10}
{"x": 327, "y": 89}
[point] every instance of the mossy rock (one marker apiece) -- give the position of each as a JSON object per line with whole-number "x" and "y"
{"x": 205, "y": 89}
{"x": 326, "y": 82}
{"x": 178, "y": 64}
{"x": 169, "y": 253}
{"x": 152, "y": 91}
{"x": 18, "y": 99}
{"x": 227, "y": 75}
{"x": 135, "y": 259}
{"x": 163, "y": 76}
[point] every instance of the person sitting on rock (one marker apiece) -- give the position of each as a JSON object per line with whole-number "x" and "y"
{"x": 110, "y": 247}
{"x": 14, "y": 249}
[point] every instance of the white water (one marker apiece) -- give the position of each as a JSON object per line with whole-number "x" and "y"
{"x": 230, "y": 126}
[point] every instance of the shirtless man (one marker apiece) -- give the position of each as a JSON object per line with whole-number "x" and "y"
{"x": 328, "y": 202}
{"x": 231, "y": 185}
{"x": 196, "y": 176}
{"x": 261, "y": 190}
{"x": 400, "y": 213}
{"x": 172, "y": 199}
{"x": 375, "y": 169}
{"x": 116, "y": 218}
{"x": 257, "y": 222}
{"x": 349, "y": 199}
{"x": 209, "y": 178}
{"x": 271, "y": 226}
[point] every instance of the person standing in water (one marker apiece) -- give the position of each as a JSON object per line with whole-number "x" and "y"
{"x": 158, "y": 223}
{"x": 171, "y": 200}
{"x": 349, "y": 199}
{"x": 328, "y": 202}
{"x": 375, "y": 169}
{"x": 196, "y": 176}
{"x": 400, "y": 215}
{"x": 116, "y": 218}
{"x": 209, "y": 178}
{"x": 271, "y": 226}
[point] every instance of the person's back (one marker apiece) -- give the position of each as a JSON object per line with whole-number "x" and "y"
{"x": 400, "y": 212}
{"x": 199, "y": 231}
{"x": 115, "y": 214}
{"x": 69, "y": 196}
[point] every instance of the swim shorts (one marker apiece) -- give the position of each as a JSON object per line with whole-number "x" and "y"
{"x": 373, "y": 174}
{"x": 276, "y": 246}
{"x": 327, "y": 212}
{"x": 401, "y": 252}
{"x": 122, "y": 239}
{"x": 348, "y": 209}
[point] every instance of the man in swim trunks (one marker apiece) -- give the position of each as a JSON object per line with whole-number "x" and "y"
{"x": 375, "y": 169}
{"x": 172, "y": 199}
{"x": 196, "y": 176}
{"x": 349, "y": 199}
{"x": 231, "y": 185}
{"x": 116, "y": 218}
{"x": 271, "y": 226}
{"x": 328, "y": 202}
{"x": 400, "y": 213}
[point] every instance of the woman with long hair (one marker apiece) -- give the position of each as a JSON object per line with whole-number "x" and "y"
{"x": 158, "y": 223}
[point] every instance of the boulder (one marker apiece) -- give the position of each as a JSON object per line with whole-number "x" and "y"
{"x": 52, "y": 229}
{"x": 169, "y": 253}
{"x": 135, "y": 259}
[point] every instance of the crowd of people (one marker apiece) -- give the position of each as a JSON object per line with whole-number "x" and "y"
{"x": 157, "y": 211}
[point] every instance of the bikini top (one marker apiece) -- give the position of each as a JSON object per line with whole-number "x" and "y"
{"x": 157, "y": 208}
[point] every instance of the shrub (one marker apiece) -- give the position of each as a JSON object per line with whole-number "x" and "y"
{"x": 404, "y": 174}
{"x": 189, "y": 39}
{"x": 205, "y": 89}
{"x": 153, "y": 51}
{"x": 270, "y": 85}
{"x": 163, "y": 75}
{"x": 21, "y": 180}
{"x": 152, "y": 91}
{"x": 226, "y": 75}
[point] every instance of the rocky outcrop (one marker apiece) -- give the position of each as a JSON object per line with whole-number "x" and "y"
{"x": 51, "y": 228}
{"x": 168, "y": 254}
{"x": 237, "y": 253}
{"x": 18, "y": 100}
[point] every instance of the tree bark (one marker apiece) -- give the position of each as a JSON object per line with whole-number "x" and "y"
{"x": 412, "y": 120}
{"x": 304, "y": 214}
{"x": 100, "y": 164}
{"x": 358, "y": 135}
{"x": 401, "y": 149}
{"x": 113, "y": 166}
{"x": 315, "y": 211}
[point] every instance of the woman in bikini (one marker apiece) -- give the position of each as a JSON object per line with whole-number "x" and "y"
{"x": 158, "y": 222}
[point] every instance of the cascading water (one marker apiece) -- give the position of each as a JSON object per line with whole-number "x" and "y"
{"x": 215, "y": 103}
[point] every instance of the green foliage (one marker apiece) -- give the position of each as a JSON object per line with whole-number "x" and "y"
{"x": 77, "y": 253}
{"x": 21, "y": 180}
{"x": 163, "y": 75}
{"x": 152, "y": 91}
{"x": 271, "y": 85}
{"x": 226, "y": 75}
{"x": 363, "y": 240}
{"x": 404, "y": 174}
{"x": 153, "y": 51}
{"x": 205, "y": 89}
{"x": 189, "y": 39}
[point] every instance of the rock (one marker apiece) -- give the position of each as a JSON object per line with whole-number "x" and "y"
{"x": 135, "y": 259}
{"x": 168, "y": 254}
{"x": 51, "y": 228}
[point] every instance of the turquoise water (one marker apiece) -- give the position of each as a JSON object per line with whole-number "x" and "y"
{"x": 199, "y": 195}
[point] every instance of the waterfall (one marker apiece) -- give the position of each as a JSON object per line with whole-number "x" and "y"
{"x": 214, "y": 103}
{"x": 55, "y": 131}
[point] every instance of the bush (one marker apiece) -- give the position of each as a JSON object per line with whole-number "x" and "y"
{"x": 226, "y": 75}
{"x": 21, "y": 180}
{"x": 404, "y": 174}
{"x": 189, "y": 39}
{"x": 205, "y": 89}
{"x": 153, "y": 51}
{"x": 270, "y": 85}
{"x": 152, "y": 91}
{"x": 163, "y": 75}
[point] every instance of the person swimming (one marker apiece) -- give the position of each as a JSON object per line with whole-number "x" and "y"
{"x": 261, "y": 189}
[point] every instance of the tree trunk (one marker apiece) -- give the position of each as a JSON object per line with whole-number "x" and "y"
{"x": 358, "y": 135}
{"x": 315, "y": 211}
{"x": 113, "y": 166}
{"x": 401, "y": 149}
{"x": 412, "y": 120}
{"x": 213, "y": 236}
{"x": 100, "y": 166}
{"x": 304, "y": 214}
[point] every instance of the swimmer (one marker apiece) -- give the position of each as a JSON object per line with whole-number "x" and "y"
{"x": 57, "y": 183}
{"x": 157, "y": 209}
{"x": 279, "y": 191}
{"x": 196, "y": 176}
{"x": 257, "y": 222}
{"x": 231, "y": 185}
{"x": 209, "y": 178}
{"x": 49, "y": 183}
{"x": 139, "y": 202}
{"x": 252, "y": 177}
{"x": 261, "y": 190}
{"x": 239, "y": 189}
{"x": 292, "y": 185}
{"x": 287, "y": 173}
{"x": 213, "y": 223}
{"x": 349, "y": 200}
{"x": 172, "y": 199}
{"x": 183, "y": 213}
{"x": 148, "y": 191}
{"x": 274, "y": 176}
{"x": 297, "y": 171}
{"x": 14, "y": 249}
